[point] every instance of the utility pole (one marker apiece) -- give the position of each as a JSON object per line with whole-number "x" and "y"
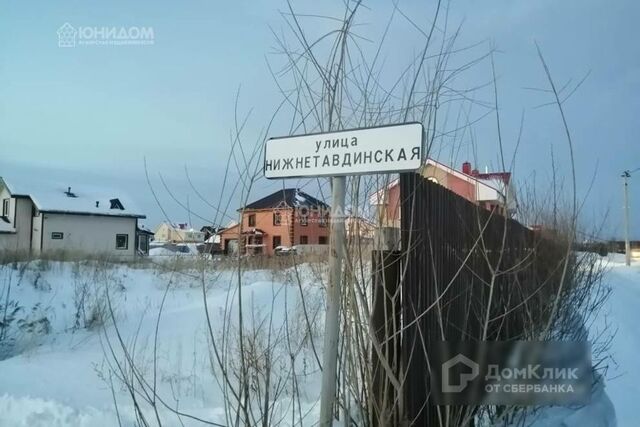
{"x": 332, "y": 319}
{"x": 627, "y": 245}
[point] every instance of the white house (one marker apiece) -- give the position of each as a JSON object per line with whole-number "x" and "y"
{"x": 41, "y": 217}
{"x": 178, "y": 233}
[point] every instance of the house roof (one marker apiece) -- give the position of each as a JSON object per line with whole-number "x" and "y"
{"x": 492, "y": 176}
{"x": 377, "y": 197}
{"x": 289, "y": 197}
{"x": 74, "y": 198}
{"x": 144, "y": 230}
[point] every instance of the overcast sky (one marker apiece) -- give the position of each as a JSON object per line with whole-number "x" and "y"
{"x": 94, "y": 113}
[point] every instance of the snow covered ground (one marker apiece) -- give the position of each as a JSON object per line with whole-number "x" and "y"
{"x": 622, "y": 317}
{"x": 60, "y": 378}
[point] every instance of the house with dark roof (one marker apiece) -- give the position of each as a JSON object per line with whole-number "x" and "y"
{"x": 43, "y": 216}
{"x": 288, "y": 217}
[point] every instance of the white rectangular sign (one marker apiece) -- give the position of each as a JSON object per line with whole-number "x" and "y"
{"x": 393, "y": 148}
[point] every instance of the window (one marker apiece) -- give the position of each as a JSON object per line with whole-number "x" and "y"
{"x": 324, "y": 221}
{"x": 56, "y": 235}
{"x": 304, "y": 220}
{"x": 252, "y": 220}
{"x": 277, "y": 218}
{"x": 116, "y": 204}
{"x": 304, "y": 240}
{"x": 122, "y": 241}
{"x": 5, "y": 207}
{"x": 277, "y": 241}
{"x": 322, "y": 240}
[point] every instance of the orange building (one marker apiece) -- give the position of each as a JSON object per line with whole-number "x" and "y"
{"x": 288, "y": 217}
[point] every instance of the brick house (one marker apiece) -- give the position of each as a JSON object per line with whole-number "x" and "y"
{"x": 288, "y": 217}
{"x": 491, "y": 190}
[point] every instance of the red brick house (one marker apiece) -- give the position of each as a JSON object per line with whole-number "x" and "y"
{"x": 491, "y": 190}
{"x": 288, "y": 217}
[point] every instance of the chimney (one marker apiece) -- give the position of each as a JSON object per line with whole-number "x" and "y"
{"x": 69, "y": 193}
{"x": 475, "y": 172}
{"x": 466, "y": 168}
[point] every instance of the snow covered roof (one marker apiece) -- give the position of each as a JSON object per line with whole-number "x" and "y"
{"x": 74, "y": 198}
{"x": 180, "y": 226}
{"x": 143, "y": 229}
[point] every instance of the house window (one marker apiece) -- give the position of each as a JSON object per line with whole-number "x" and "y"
{"x": 322, "y": 240}
{"x": 304, "y": 220}
{"x": 116, "y": 204}
{"x": 252, "y": 220}
{"x": 277, "y": 218}
{"x": 304, "y": 240}
{"x": 5, "y": 208}
{"x": 56, "y": 235}
{"x": 122, "y": 241}
{"x": 324, "y": 221}
{"x": 276, "y": 241}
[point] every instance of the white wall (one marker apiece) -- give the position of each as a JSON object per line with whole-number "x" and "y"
{"x": 19, "y": 215}
{"x": 4, "y": 194}
{"x": 8, "y": 241}
{"x": 24, "y": 210}
{"x": 88, "y": 233}
{"x": 486, "y": 193}
{"x": 36, "y": 234}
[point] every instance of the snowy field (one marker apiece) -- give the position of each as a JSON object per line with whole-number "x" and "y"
{"x": 61, "y": 378}
{"x": 55, "y": 372}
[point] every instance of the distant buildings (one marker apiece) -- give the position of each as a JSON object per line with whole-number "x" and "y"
{"x": 49, "y": 217}
{"x": 358, "y": 228}
{"x": 178, "y": 233}
{"x": 288, "y": 217}
{"x": 44, "y": 217}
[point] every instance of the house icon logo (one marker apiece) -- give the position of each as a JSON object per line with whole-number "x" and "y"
{"x": 464, "y": 379}
{"x": 67, "y": 35}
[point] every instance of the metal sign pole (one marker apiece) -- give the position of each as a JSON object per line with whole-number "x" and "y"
{"x": 332, "y": 319}
{"x": 382, "y": 149}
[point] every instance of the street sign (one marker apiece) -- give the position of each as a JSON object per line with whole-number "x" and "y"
{"x": 384, "y": 149}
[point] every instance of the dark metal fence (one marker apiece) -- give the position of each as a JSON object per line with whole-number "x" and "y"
{"x": 466, "y": 274}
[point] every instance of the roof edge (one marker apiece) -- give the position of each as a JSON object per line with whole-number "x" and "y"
{"x": 59, "y": 212}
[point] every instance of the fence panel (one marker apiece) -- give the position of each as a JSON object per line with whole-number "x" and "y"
{"x": 469, "y": 274}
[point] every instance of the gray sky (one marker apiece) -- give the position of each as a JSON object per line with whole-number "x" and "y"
{"x": 94, "y": 113}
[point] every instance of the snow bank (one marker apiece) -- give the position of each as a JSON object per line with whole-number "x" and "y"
{"x": 62, "y": 378}
{"x": 36, "y": 412}
{"x": 621, "y": 317}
